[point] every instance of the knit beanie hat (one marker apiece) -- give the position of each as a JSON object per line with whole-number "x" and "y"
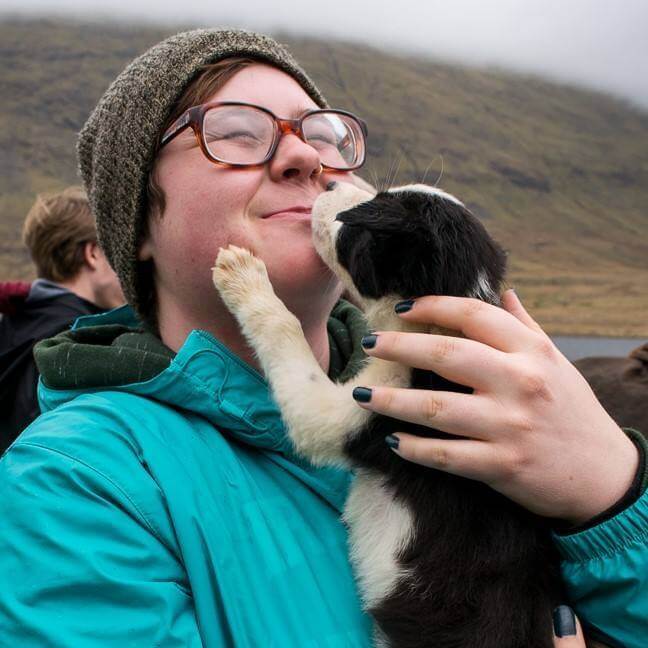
{"x": 117, "y": 145}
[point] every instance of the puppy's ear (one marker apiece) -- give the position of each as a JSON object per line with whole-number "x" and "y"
{"x": 355, "y": 254}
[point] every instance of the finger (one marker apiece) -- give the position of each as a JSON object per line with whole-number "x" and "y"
{"x": 468, "y": 415}
{"x": 476, "y": 319}
{"x": 461, "y": 360}
{"x": 469, "y": 458}
{"x": 567, "y": 629}
{"x": 511, "y": 302}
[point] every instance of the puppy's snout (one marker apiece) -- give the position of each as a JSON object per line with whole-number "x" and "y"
{"x": 331, "y": 185}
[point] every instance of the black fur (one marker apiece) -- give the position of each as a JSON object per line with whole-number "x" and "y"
{"x": 484, "y": 571}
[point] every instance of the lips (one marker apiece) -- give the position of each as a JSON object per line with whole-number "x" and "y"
{"x": 295, "y": 210}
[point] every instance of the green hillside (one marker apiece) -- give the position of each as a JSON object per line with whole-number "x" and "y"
{"x": 559, "y": 175}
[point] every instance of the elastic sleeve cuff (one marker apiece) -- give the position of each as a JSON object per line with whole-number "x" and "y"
{"x": 630, "y": 527}
{"x": 641, "y": 442}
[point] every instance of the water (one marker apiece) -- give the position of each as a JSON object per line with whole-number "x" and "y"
{"x": 575, "y": 347}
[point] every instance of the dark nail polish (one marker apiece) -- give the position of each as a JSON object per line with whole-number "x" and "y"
{"x": 392, "y": 441}
{"x": 331, "y": 185}
{"x": 404, "y": 306}
{"x": 564, "y": 621}
{"x": 362, "y": 394}
{"x": 369, "y": 341}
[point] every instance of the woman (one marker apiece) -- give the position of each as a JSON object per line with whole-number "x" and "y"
{"x": 158, "y": 492}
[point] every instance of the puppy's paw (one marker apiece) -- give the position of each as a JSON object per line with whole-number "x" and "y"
{"x": 239, "y": 276}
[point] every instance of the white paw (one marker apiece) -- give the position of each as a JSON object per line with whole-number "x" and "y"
{"x": 239, "y": 277}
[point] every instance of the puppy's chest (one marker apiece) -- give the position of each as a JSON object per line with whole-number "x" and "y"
{"x": 380, "y": 528}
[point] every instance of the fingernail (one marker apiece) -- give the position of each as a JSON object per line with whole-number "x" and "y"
{"x": 404, "y": 306}
{"x": 392, "y": 441}
{"x": 362, "y": 394}
{"x": 564, "y": 621}
{"x": 369, "y": 341}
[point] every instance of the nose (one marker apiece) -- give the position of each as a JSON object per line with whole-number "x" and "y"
{"x": 294, "y": 159}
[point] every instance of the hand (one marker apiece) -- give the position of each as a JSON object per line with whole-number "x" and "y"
{"x": 533, "y": 429}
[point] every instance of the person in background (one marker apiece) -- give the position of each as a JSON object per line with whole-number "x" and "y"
{"x": 74, "y": 279}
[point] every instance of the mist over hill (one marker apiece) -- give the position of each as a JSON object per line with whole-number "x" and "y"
{"x": 559, "y": 175}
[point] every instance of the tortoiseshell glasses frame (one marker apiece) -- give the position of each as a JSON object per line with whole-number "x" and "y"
{"x": 194, "y": 118}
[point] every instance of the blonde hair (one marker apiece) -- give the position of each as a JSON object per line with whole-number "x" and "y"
{"x": 55, "y": 231}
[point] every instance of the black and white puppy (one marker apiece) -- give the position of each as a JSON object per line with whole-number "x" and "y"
{"x": 442, "y": 561}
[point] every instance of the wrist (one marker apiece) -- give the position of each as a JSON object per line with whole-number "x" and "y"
{"x": 622, "y": 486}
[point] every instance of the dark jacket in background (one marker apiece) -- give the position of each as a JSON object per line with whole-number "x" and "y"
{"x": 47, "y": 310}
{"x": 12, "y": 296}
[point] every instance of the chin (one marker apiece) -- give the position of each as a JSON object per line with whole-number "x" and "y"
{"x": 305, "y": 280}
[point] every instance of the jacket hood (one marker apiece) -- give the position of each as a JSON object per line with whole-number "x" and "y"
{"x": 111, "y": 351}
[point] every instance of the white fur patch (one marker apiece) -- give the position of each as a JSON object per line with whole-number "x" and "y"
{"x": 379, "y": 528}
{"x": 422, "y": 188}
{"x": 482, "y": 289}
{"x": 325, "y": 228}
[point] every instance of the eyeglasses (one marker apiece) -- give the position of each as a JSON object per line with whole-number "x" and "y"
{"x": 243, "y": 135}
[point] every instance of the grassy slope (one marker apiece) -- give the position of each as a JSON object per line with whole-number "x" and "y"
{"x": 559, "y": 175}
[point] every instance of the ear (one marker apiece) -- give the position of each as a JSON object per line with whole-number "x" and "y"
{"x": 91, "y": 254}
{"x": 145, "y": 250}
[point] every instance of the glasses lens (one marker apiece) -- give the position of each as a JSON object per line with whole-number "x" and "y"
{"x": 238, "y": 134}
{"x": 338, "y": 138}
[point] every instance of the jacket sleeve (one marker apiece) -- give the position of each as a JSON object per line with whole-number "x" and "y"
{"x": 80, "y": 565}
{"x": 606, "y": 573}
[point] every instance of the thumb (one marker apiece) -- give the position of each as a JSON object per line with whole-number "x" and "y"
{"x": 511, "y": 303}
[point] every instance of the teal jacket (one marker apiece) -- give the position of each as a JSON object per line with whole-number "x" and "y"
{"x": 157, "y": 502}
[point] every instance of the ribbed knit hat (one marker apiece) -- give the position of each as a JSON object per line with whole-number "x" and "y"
{"x": 117, "y": 145}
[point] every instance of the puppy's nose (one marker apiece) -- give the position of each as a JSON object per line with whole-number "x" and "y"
{"x": 331, "y": 185}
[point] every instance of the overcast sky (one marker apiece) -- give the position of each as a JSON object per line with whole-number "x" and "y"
{"x": 598, "y": 43}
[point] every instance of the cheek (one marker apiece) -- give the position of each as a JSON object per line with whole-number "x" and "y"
{"x": 203, "y": 194}
{"x": 205, "y": 212}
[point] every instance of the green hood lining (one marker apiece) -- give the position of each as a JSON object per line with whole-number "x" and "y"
{"x": 109, "y": 355}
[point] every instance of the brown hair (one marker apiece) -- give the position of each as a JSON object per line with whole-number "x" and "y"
{"x": 210, "y": 78}
{"x": 55, "y": 231}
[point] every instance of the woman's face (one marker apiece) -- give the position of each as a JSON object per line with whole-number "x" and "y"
{"x": 209, "y": 206}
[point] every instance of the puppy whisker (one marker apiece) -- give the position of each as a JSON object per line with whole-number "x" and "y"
{"x": 427, "y": 169}
{"x": 436, "y": 184}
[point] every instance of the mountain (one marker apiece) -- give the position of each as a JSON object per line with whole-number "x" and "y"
{"x": 558, "y": 174}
